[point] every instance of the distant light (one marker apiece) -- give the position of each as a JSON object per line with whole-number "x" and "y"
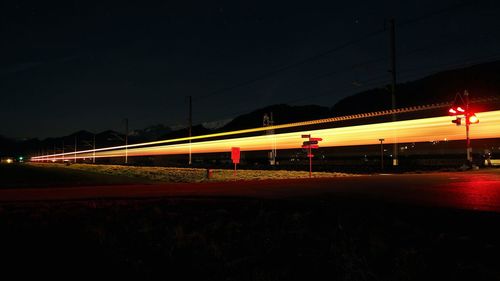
{"x": 452, "y": 111}
{"x": 9, "y": 161}
{"x": 21, "y": 158}
{"x": 460, "y": 109}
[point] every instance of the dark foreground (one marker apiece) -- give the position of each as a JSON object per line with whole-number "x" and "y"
{"x": 477, "y": 190}
{"x": 247, "y": 239}
{"x": 404, "y": 227}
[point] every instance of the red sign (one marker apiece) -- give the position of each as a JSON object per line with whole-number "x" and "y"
{"x": 235, "y": 155}
{"x": 312, "y": 146}
{"x": 309, "y": 145}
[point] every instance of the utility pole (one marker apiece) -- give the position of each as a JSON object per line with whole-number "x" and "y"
{"x": 393, "y": 87}
{"x": 93, "y": 151}
{"x": 75, "y": 149}
{"x": 381, "y": 153}
{"x": 190, "y": 126}
{"x": 88, "y": 143}
{"x": 273, "y": 151}
{"x": 268, "y": 121}
{"x": 126, "y": 141}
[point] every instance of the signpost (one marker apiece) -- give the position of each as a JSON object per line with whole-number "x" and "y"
{"x": 381, "y": 153}
{"x": 235, "y": 156}
{"x": 469, "y": 116}
{"x": 310, "y": 144}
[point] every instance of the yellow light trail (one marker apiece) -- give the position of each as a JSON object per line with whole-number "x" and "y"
{"x": 259, "y": 129}
{"x": 417, "y": 130}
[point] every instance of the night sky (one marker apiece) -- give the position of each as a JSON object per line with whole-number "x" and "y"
{"x": 87, "y": 65}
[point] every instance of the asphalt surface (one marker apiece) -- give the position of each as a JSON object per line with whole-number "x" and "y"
{"x": 475, "y": 190}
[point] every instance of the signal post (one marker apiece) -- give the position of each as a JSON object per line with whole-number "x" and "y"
{"x": 464, "y": 112}
{"x": 310, "y": 144}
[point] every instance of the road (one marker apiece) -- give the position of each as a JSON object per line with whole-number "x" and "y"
{"x": 475, "y": 190}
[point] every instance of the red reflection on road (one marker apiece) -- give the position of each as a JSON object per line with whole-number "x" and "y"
{"x": 479, "y": 194}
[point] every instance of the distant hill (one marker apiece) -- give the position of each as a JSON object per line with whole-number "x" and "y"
{"x": 7, "y": 146}
{"x": 282, "y": 114}
{"x": 15, "y": 148}
{"x": 150, "y": 133}
{"x": 480, "y": 80}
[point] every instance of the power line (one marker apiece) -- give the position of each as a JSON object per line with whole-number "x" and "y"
{"x": 374, "y": 82}
{"x": 293, "y": 65}
{"x": 416, "y": 50}
{"x": 330, "y": 51}
{"x": 458, "y": 63}
{"x": 436, "y": 12}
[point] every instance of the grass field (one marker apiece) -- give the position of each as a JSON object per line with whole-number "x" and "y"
{"x": 27, "y": 175}
{"x": 165, "y": 174}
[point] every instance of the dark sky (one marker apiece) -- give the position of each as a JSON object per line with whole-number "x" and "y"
{"x": 75, "y": 65}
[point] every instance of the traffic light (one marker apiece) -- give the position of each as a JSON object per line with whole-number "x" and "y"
{"x": 459, "y": 113}
{"x": 457, "y": 121}
{"x": 473, "y": 119}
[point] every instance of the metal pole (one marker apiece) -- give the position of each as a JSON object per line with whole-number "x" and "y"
{"x": 469, "y": 150}
{"x": 93, "y": 152}
{"x": 126, "y": 140}
{"x": 273, "y": 151}
{"x": 310, "y": 161}
{"x": 381, "y": 154}
{"x": 75, "y": 149}
{"x": 393, "y": 87}
{"x": 467, "y": 129}
{"x": 190, "y": 127}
